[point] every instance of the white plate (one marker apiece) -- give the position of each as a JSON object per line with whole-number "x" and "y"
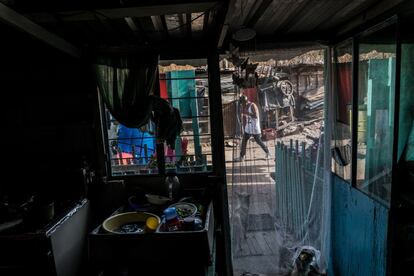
{"x": 157, "y": 199}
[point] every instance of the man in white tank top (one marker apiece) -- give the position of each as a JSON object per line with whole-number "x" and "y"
{"x": 251, "y": 126}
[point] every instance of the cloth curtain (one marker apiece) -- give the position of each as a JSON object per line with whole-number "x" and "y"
{"x": 127, "y": 86}
{"x": 344, "y": 71}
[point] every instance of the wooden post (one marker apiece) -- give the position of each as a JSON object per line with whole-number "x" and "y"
{"x": 277, "y": 118}
{"x": 224, "y": 266}
{"x": 146, "y": 153}
{"x": 132, "y": 159}
{"x": 160, "y": 157}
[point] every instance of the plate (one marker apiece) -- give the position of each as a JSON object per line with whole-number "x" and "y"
{"x": 185, "y": 209}
{"x": 157, "y": 199}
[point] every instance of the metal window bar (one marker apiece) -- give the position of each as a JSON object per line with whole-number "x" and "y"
{"x": 198, "y": 78}
{"x": 188, "y": 97}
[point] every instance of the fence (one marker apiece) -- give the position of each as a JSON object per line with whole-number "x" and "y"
{"x": 299, "y": 182}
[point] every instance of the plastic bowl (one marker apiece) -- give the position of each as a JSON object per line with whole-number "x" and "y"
{"x": 115, "y": 223}
{"x": 157, "y": 199}
{"x": 185, "y": 209}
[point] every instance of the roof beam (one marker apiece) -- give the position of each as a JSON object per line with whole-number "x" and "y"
{"x": 143, "y": 11}
{"x": 374, "y": 11}
{"x": 227, "y": 16}
{"x": 22, "y": 23}
{"x": 164, "y": 25}
{"x": 158, "y": 26}
{"x": 188, "y": 23}
{"x": 205, "y": 22}
{"x": 256, "y": 12}
{"x": 300, "y": 11}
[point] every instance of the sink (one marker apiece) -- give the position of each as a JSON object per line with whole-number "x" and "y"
{"x": 128, "y": 223}
{"x": 164, "y": 247}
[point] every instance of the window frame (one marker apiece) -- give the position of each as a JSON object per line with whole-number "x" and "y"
{"x": 214, "y": 165}
{"x": 351, "y": 42}
{"x": 356, "y": 38}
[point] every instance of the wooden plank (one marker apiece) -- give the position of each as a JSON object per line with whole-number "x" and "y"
{"x": 309, "y": 19}
{"x": 222, "y": 36}
{"x": 299, "y": 13}
{"x": 257, "y": 12}
{"x": 374, "y": 11}
{"x": 364, "y": 221}
{"x": 258, "y": 208}
{"x": 205, "y": 23}
{"x": 272, "y": 15}
{"x": 245, "y": 249}
{"x": 254, "y": 249}
{"x": 112, "y": 31}
{"x": 290, "y": 12}
{"x": 225, "y": 17}
{"x": 137, "y": 11}
{"x": 240, "y": 12}
{"x": 22, "y": 23}
{"x": 350, "y": 9}
{"x": 131, "y": 24}
{"x": 158, "y": 26}
{"x": 257, "y": 265}
{"x": 270, "y": 239}
{"x": 164, "y": 26}
{"x": 264, "y": 247}
{"x": 188, "y": 24}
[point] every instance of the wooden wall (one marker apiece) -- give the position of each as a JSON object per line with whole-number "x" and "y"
{"x": 359, "y": 232}
{"x": 47, "y": 117}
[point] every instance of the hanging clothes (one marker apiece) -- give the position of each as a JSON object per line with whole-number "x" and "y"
{"x": 127, "y": 86}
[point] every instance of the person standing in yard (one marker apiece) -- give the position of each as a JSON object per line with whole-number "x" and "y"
{"x": 251, "y": 120}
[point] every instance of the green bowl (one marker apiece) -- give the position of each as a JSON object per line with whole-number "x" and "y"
{"x": 127, "y": 223}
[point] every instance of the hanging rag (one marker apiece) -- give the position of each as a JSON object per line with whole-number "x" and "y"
{"x": 127, "y": 86}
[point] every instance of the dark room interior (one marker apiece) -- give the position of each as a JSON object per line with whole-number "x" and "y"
{"x": 76, "y": 200}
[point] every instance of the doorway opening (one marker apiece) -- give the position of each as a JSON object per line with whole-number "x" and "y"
{"x": 273, "y": 112}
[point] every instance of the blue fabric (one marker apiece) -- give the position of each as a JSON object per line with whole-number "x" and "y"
{"x": 127, "y": 137}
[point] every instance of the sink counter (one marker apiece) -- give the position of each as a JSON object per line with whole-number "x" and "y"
{"x": 194, "y": 248}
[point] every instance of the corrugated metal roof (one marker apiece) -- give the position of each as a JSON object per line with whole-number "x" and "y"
{"x": 197, "y": 22}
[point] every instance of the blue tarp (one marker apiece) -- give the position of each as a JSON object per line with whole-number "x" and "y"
{"x": 127, "y": 137}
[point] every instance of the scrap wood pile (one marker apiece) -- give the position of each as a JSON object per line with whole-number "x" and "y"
{"x": 311, "y": 104}
{"x": 174, "y": 67}
{"x": 226, "y": 82}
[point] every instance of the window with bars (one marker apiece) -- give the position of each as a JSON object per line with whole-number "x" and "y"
{"x": 184, "y": 83}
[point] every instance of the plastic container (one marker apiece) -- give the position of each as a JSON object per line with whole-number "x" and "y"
{"x": 192, "y": 224}
{"x": 171, "y": 219}
{"x": 188, "y": 223}
{"x": 151, "y": 225}
{"x": 198, "y": 224}
{"x": 172, "y": 185}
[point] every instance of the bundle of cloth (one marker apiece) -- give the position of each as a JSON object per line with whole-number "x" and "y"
{"x": 127, "y": 85}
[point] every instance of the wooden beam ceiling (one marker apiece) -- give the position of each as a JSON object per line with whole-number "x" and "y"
{"x": 140, "y": 11}
{"x": 228, "y": 17}
{"x": 205, "y": 23}
{"x": 23, "y": 24}
{"x": 374, "y": 11}
{"x": 350, "y": 9}
{"x": 188, "y": 23}
{"x": 256, "y": 12}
